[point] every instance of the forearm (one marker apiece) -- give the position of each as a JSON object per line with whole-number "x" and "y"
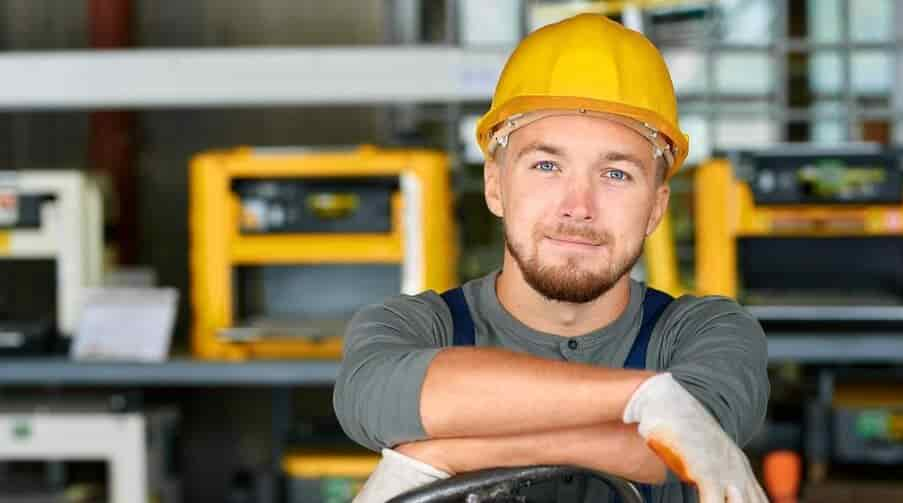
{"x": 613, "y": 447}
{"x": 485, "y": 392}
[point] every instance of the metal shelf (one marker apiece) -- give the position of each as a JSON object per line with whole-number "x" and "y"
{"x": 146, "y": 78}
{"x": 186, "y": 372}
{"x": 174, "y": 373}
{"x": 842, "y": 349}
{"x": 827, "y": 313}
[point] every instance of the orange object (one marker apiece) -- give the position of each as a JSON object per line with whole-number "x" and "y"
{"x": 782, "y": 473}
{"x": 672, "y": 459}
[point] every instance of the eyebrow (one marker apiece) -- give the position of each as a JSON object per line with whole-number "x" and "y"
{"x": 610, "y": 156}
{"x": 621, "y": 156}
{"x": 539, "y": 147}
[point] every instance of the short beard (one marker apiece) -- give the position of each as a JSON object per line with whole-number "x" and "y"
{"x": 568, "y": 283}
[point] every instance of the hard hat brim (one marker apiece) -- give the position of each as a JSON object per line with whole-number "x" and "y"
{"x": 524, "y": 104}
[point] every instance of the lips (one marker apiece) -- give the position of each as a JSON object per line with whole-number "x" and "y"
{"x": 575, "y": 236}
{"x": 574, "y": 240}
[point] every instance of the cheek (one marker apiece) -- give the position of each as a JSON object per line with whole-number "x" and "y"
{"x": 626, "y": 220}
{"x": 522, "y": 222}
{"x": 526, "y": 204}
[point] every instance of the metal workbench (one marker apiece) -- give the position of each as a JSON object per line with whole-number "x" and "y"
{"x": 836, "y": 335}
{"x": 812, "y": 348}
{"x": 178, "y": 372}
{"x": 835, "y": 349}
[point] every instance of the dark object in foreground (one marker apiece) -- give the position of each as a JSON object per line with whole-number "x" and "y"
{"x": 499, "y": 485}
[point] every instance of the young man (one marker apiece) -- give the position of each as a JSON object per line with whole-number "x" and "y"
{"x": 560, "y": 357}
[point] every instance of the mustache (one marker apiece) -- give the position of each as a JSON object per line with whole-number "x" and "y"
{"x": 581, "y": 232}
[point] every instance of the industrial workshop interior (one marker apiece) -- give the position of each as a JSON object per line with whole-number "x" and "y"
{"x": 196, "y": 198}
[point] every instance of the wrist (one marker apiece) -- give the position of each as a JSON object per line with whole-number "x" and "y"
{"x": 641, "y": 394}
{"x": 643, "y": 376}
{"x": 613, "y": 448}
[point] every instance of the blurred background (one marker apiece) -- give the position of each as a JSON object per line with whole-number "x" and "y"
{"x": 196, "y": 196}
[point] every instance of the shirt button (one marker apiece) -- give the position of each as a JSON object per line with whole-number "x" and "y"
{"x": 573, "y": 344}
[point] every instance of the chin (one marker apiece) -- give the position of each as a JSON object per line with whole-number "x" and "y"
{"x": 575, "y": 278}
{"x": 567, "y": 282}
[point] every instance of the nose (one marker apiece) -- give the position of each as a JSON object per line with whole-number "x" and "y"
{"x": 578, "y": 203}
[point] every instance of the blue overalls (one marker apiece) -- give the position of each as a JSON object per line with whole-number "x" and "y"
{"x": 654, "y": 303}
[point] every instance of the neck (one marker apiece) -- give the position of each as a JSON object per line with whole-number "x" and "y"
{"x": 560, "y": 318}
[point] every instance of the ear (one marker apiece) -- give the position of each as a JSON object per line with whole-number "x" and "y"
{"x": 659, "y": 207}
{"x": 492, "y": 188}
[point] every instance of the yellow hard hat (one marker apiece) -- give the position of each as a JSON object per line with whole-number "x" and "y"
{"x": 587, "y": 64}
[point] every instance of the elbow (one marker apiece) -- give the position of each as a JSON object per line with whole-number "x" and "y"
{"x": 376, "y": 399}
{"x": 339, "y": 407}
{"x": 346, "y": 407}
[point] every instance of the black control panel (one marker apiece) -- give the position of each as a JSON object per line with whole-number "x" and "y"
{"x": 316, "y": 205}
{"x": 822, "y": 179}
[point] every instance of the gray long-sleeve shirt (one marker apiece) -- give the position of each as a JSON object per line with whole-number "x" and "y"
{"x": 711, "y": 346}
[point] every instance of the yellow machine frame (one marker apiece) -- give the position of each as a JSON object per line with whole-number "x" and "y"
{"x": 725, "y": 211}
{"x": 217, "y": 245}
{"x": 314, "y": 464}
{"x": 661, "y": 259}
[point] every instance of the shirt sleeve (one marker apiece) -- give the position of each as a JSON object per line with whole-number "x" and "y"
{"x": 387, "y": 350}
{"x": 718, "y": 352}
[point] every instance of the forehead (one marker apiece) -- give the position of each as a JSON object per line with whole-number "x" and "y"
{"x": 577, "y": 133}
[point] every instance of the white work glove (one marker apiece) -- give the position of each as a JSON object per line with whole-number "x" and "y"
{"x": 396, "y": 474}
{"x": 691, "y": 442}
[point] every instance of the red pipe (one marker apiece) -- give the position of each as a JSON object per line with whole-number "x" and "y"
{"x": 112, "y": 139}
{"x": 110, "y": 23}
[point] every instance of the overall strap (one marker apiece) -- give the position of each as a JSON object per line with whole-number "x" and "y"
{"x": 461, "y": 319}
{"x": 654, "y": 303}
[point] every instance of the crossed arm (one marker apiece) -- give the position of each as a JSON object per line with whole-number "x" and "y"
{"x": 511, "y": 409}
{"x": 467, "y": 408}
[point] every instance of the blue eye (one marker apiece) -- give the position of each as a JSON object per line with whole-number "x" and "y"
{"x": 546, "y": 166}
{"x": 617, "y": 174}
